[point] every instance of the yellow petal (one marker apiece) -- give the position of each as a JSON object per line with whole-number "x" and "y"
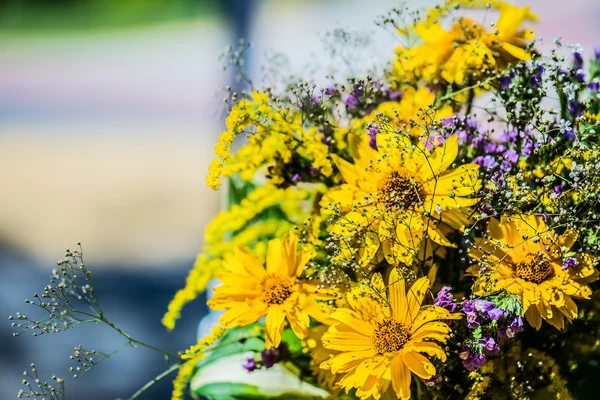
{"x": 397, "y": 290}
{"x": 274, "y": 326}
{"x": 418, "y": 364}
{"x": 415, "y": 298}
{"x": 401, "y": 379}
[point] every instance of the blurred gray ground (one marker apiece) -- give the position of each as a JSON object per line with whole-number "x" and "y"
{"x": 105, "y": 137}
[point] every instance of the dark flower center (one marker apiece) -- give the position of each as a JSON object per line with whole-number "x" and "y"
{"x": 276, "y": 290}
{"x": 535, "y": 268}
{"x": 400, "y": 191}
{"x": 390, "y": 336}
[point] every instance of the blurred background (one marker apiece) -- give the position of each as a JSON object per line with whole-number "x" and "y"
{"x": 109, "y": 111}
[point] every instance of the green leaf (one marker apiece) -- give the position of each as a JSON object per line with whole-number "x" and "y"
{"x": 230, "y": 391}
{"x": 251, "y": 344}
{"x": 293, "y": 343}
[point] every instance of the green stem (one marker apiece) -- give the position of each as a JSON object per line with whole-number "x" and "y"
{"x": 138, "y": 342}
{"x": 101, "y": 318}
{"x": 154, "y": 380}
{"x": 419, "y": 389}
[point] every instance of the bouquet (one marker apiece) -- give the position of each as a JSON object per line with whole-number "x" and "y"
{"x": 428, "y": 230}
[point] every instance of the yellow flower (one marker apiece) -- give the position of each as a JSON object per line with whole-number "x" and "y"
{"x": 525, "y": 257}
{"x": 381, "y": 339}
{"x": 467, "y": 50}
{"x": 398, "y": 195}
{"x": 250, "y": 291}
{"x": 413, "y": 113}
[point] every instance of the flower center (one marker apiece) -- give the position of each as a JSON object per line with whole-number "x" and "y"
{"x": 536, "y": 268}
{"x": 390, "y": 336}
{"x": 275, "y": 289}
{"x": 401, "y": 191}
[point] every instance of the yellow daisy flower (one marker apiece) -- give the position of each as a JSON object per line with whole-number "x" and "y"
{"x": 250, "y": 291}
{"x": 527, "y": 258}
{"x": 396, "y": 196}
{"x": 381, "y": 339}
{"x": 467, "y": 48}
{"x": 413, "y": 112}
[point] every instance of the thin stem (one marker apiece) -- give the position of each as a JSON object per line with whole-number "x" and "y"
{"x": 419, "y": 389}
{"x": 101, "y": 318}
{"x": 154, "y": 380}
{"x": 133, "y": 340}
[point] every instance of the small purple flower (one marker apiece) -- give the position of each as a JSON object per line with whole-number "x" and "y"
{"x": 433, "y": 381}
{"x": 468, "y": 309}
{"x": 511, "y": 329}
{"x": 490, "y": 147}
{"x": 536, "y": 77}
{"x": 576, "y": 108}
{"x": 444, "y": 299}
{"x": 569, "y": 263}
{"x": 506, "y": 166}
{"x": 250, "y": 364}
{"x": 489, "y": 345}
{"x": 508, "y": 136}
{"x": 505, "y": 81}
{"x": 511, "y": 156}
{"x": 487, "y": 162}
{"x": 594, "y": 86}
{"x": 394, "y": 95}
{"x": 527, "y": 147}
{"x": 462, "y": 136}
{"x": 296, "y": 178}
{"x": 373, "y": 137}
{"x": 471, "y": 360}
{"x": 597, "y": 52}
{"x": 558, "y": 189}
{"x": 351, "y": 102}
{"x": 269, "y": 357}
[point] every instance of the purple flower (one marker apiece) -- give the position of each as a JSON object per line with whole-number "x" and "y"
{"x": 394, "y": 95}
{"x": 462, "y": 136}
{"x": 444, "y": 299}
{"x": 490, "y": 147}
{"x": 296, "y": 178}
{"x": 489, "y": 345}
{"x": 433, "y": 381}
{"x": 269, "y": 357}
{"x": 594, "y": 86}
{"x": 351, "y": 102}
{"x": 331, "y": 90}
{"x": 527, "y": 147}
{"x": 373, "y": 135}
{"x": 569, "y": 263}
{"x": 576, "y": 108}
{"x": 250, "y": 364}
{"x": 508, "y": 136}
{"x": 511, "y": 156}
{"x": 558, "y": 189}
{"x": 505, "y": 165}
{"x": 505, "y": 81}
{"x": 510, "y": 329}
{"x": 536, "y": 77}
{"x": 597, "y": 52}
{"x": 471, "y": 360}
{"x": 487, "y": 162}
{"x": 469, "y": 310}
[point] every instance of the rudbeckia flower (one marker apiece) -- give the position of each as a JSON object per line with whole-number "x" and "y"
{"x": 397, "y": 196}
{"x": 467, "y": 48}
{"x": 412, "y": 113}
{"x": 383, "y": 337}
{"x": 251, "y": 291}
{"x": 525, "y": 257}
